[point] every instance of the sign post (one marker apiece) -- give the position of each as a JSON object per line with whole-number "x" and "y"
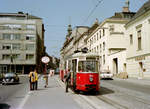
{"x": 45, "y": 60}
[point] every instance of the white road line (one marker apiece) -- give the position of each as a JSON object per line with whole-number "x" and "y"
{"x": 24, "y": 100}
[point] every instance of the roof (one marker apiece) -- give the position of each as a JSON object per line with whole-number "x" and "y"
{"x": 19, "y": 14}
{"x": 141, "y": 11}
{"x": 123, "y": 15}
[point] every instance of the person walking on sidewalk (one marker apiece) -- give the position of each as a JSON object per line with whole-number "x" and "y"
{"x": 36, "y": 79}
{"x": 33, "y": 79}
{"x": 67, "y": 79}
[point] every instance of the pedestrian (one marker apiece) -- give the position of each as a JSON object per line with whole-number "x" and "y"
{"x": 32, "y": 79}
{"x": 36, "y": 79}
{"x": 46, "y": 80}
{"x": 67, "y": 79}
{"x": 51, "y": 73}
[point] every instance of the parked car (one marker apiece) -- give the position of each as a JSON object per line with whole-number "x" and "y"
{"x": 1, "y": 78}
{"x": 10, "y": 78}
{"x": 106, "y": 75}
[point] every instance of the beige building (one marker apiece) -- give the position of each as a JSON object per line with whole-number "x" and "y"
{"x": 138, "y": 49}
{"x": 71, "y": 44}
{"x": 109, "y": 41}
{"x": 21, "y": 42}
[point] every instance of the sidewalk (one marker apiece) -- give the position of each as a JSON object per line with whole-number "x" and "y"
{"x": 52, "y": 97}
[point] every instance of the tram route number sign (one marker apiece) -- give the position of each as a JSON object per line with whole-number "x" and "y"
{"x": 45, "y": 59}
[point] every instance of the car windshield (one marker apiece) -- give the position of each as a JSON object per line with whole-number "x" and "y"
{"x": 88, "y": 66}
{"x": 105, "y": 72}
{"x": 9, "y": 74}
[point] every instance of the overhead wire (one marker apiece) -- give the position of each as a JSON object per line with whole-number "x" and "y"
{"x": 99, "y": 1}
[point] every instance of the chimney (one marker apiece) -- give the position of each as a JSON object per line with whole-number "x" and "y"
{"x": 126, "y": 7}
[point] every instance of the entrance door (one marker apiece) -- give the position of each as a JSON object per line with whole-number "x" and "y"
{"x": 141, "y": 70}
{"x": 115, "y": 66}
{"x": 125, "y": 67}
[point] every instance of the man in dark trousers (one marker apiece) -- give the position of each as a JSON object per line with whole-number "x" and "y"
{"x": 68, "y": 76}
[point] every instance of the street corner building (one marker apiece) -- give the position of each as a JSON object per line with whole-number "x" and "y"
{"x": 138, "y": 49}
{"x": 21, "y": 42}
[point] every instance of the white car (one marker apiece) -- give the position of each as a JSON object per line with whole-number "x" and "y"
{"x": 106, "y": 75}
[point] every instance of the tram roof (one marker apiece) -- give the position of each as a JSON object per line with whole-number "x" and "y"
{"x": 80, "y": 54}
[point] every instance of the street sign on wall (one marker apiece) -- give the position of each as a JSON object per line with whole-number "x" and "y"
{"x": 45, "y": 59}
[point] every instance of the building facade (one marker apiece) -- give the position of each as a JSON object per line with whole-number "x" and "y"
{"x": 73, "y": 43}
{"x": 138, "y": 49}
{"x": 108, "y": 40}
{"x": 21, "y": 42}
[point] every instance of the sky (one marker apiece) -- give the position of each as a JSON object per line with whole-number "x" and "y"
{"x": 57, "y": 14}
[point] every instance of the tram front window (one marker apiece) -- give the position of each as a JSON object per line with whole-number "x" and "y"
{"x": 88, "y": 66}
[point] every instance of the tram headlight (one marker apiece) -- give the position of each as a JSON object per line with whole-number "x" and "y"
{"x": 91, "y": 78}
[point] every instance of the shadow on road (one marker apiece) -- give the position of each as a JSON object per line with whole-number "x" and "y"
{"x": 102, "y": 91}
{"x": 106, "y": 78}
{"x": 4, "y": 106}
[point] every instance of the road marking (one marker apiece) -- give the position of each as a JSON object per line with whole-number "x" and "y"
{"x": 24, "y": 100}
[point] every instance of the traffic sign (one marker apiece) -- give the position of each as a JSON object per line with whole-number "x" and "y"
{"x": 45, "y": 59}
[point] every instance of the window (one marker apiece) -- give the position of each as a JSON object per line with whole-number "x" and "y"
{"x": 15, "y": 56}
{"x": 139, "y": 40}
{"x": 111, "y": 28}
{"x": 30, "y": 47}
{"x": 88, "y": 66}
{"x": 100, "y": 34}
{"x": 97, "y": 49}
{"x": 100, "y": 48}
{"x": 103, "y": 59}
{"x": 6, "y": 46}
{"x": 103, "y": 46}
{"x": 6, "y": 36}
{"x": 16, "y": 36}
{"x": 30, "y": 37}
{"x": 97, "y": 36}
{"x": 94, "y": 38}
{"x": 5, "y": 56}
{"x": 103, "y": 32}
{"x": 29, "y": 56}
{"x": 131, "y": 39}
{"x": 16, "y": 46}
{"x": 30, "y": 27}
{"x": 16, "y": 27}
{"x": 94, "y": 49}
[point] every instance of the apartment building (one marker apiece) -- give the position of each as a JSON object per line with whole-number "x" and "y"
{"x": 71, "y": 44}
{"x": 138, "y": 49}
{"x": 21, "y": 42}
{"x": 109, "y": 42}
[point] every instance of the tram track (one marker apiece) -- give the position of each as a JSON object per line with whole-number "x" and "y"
{"x": 118, "y": 105}
{"x": 123, "y": 93}
{"x": 104, "y": 102}
{"x": 113, "y": 103}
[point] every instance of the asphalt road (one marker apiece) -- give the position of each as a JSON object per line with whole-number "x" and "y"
{"x": 114, "y": 94}
{"x": 120, "y": 94}
{"x": 12, "y": 95}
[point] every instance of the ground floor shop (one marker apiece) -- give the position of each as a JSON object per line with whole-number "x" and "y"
{"x": 21, "y": 69}
{"x": 139, "y": 66}
{"x": 117, "y": 62}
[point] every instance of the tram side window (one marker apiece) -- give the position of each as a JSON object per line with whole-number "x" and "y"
{"x": 81, "y": 66}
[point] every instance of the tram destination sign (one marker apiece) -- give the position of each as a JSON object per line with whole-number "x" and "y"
{"x": 45, "y": 59}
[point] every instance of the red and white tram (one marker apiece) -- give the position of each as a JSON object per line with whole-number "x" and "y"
{"x": 84, "y": 72}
